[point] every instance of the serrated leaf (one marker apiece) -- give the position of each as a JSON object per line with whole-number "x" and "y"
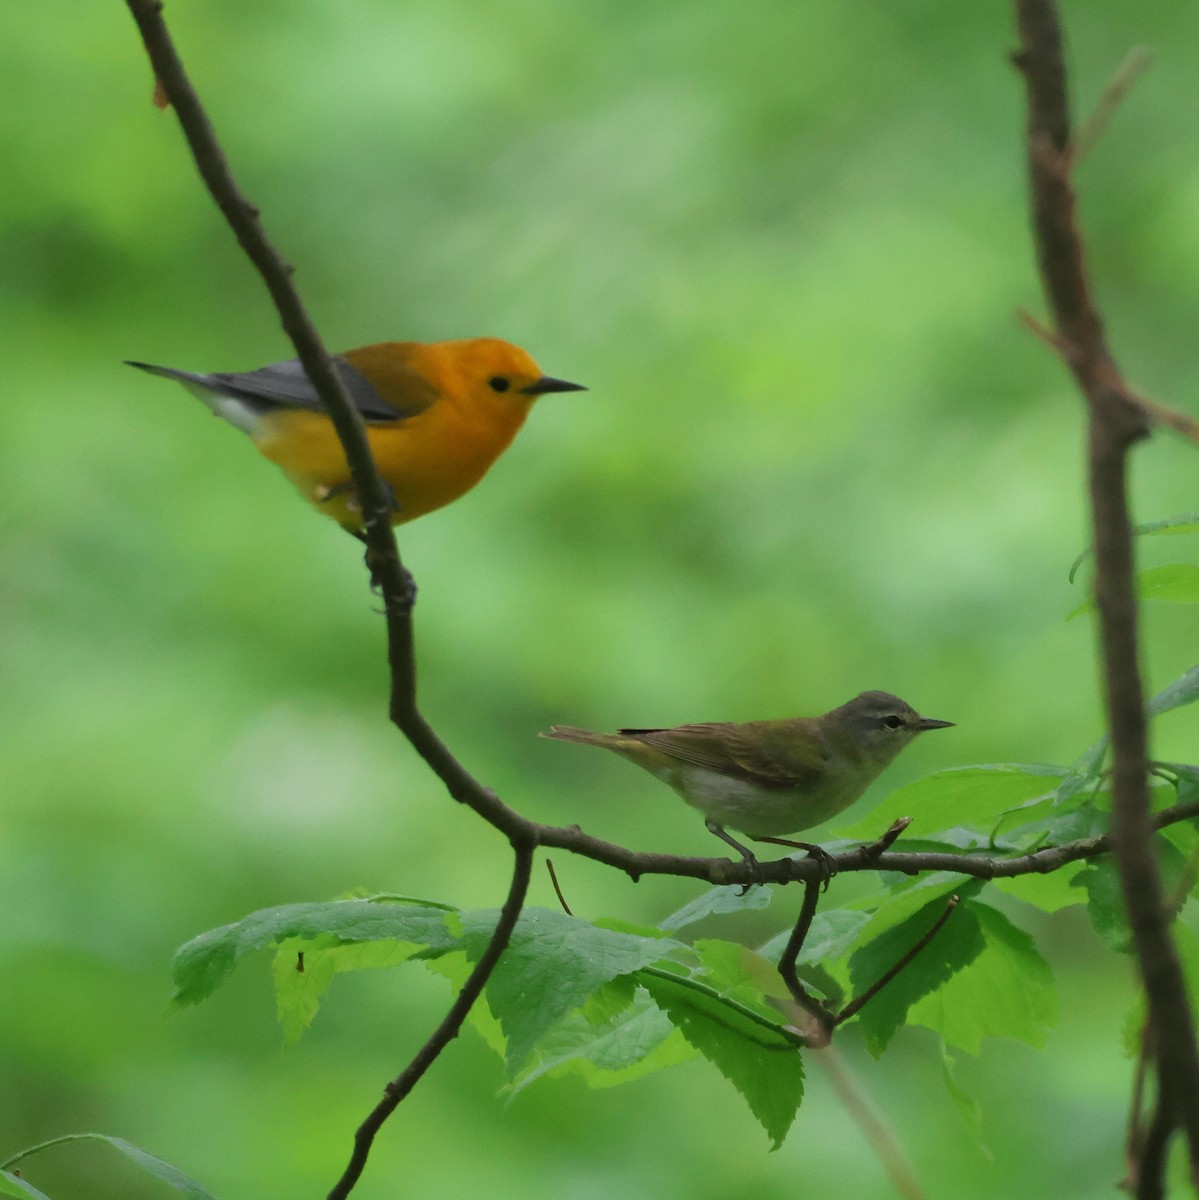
{"x": 1007, "y": 992}
{"x": 905, "y": 903}
{"x": 455, "y": 968}
{"x": 762, "y": 1063}
{"x": 830, "y": 936}
{"x": 204, "y": 963}
{"x": 718, "y": 901}
{"x": 150, "y": 1163}
{"x": 298, "y": 991}
{"x": 552, "y": 964}
{"x": 1105, "y": 899}
{"x": 960, "y": 796}
{"x": 958, "y": 943}
{"x": 1083, "y": 772}
{"x": 968, "y": 1108}
{"x": 12, "y": 1185}
{"x": 1105, "y": 904}
{"x": 1050, "y": 893}
{"x": 740, "y": 974}
{"x": 627, "y": 1045}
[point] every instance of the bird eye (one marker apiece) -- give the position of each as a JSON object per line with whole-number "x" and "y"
{"x": 893, "y": 722}
{"x": 498, "y": 383}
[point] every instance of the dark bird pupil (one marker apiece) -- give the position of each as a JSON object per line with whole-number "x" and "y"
{"x": 498, "y": 383}
{"x": 892, "y": 722}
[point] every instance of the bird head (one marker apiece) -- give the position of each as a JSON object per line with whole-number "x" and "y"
{"x": 496, "y": 373}
{"x": 876, "y": 726}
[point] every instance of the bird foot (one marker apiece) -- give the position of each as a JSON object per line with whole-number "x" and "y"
{"x": 747, "y": 856}
{"x": 826, "y": 863}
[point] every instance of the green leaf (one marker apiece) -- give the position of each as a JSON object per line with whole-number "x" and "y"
{"x": 906, "y": 902}
{"x": 1176, "y": 583}
{"x": 150, "y": 1163}
{"x": 625, "y": 1045}
{"x": 1050, "y": 893}
{"x": 1105, "y": 903}
{"x": 1008, "y": 991}
{"x": 763, "y": 1064}
{"x": 298, "y": 991}
{"x": 1183, "y": 523}
{"x": 740, "y": 974}
{"x": 830, "y": 937}
{"x": 204, "y": 963}
{"x": 1184, "y": 690}
{"x": 552, "y": 964}
{"x": 1083, "y": 772}
{"x": 1105, "y": 900}
{"x": 958, "y": 796}
{"x": 11, "y": 1185}
{"x": 968, "y": 1108}
{"x": 959, "y": 943}
{"x": 455, "y": 967}
{"x": 718, "y": 901}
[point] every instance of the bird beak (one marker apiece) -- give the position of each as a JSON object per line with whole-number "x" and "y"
{"x": 548, "y": 384}
{"x": 928, "y": 723}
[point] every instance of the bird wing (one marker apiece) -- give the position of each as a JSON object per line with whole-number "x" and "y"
{"x": 740, "y": 751}
{"x": 285, "y": 385}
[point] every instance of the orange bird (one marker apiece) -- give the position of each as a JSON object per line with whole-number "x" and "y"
{"x": 437, "y": 415}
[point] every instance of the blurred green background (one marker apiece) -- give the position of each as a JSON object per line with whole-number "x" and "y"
{"x": 782, "y": 244}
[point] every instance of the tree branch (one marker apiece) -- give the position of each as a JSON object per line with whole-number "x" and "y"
{"x": 1115, "y": 425}
{"x": 787, "y": 968}
{"x": 399, "y": 1087}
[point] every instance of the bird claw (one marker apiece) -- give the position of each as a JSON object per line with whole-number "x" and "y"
{"x": 747, "y": 856}
{"x": 826, "y": 863}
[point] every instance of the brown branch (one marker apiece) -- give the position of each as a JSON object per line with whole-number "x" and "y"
{"x": 399, "y": 1087}
{"x": 1062, "y": 264}
{"x": 855, "y": 1006}
{"x": 1115, "y": 425}
{"x": 242, "y": 216}
{"x": 1152, "y": 410}
{"x": 787, "y": 968}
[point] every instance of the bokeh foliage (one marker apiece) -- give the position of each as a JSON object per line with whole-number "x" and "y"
{"x": 782, "y": 244}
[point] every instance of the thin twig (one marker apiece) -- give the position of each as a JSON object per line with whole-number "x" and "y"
{"x": 1136, "y": 62}
{"x": 1151, "y": 1169}
{"x": 855, "y": 1006}
{"x": 1115, "y": 425}
{"x": 399, "y": 1087}
{"x": 872, "y": 850}
{"x": 1134, "y": 1138}
{"x": 869, "y": 1120}
{"x": 172, "y": 81}
{"x": 1152, "y": 410}
{"x": 549, "y": 866}
{"x": 788, "y": 967}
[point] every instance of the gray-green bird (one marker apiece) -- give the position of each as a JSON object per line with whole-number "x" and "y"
{"x": 767, "y": 778}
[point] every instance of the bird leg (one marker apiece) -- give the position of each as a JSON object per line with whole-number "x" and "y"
{"x": 747, "y": 855}
{"x": 824, "y": 860}
{"x": 409, "y": 594}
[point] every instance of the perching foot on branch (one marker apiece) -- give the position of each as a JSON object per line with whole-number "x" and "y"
{"x": 747, "y": 855}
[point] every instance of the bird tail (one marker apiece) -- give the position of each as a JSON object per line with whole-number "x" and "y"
{"x": 568, "y": 733}
{"x": 234, "y": 408}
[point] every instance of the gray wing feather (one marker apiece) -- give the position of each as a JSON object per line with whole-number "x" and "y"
{"x": 285, "y": 385}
